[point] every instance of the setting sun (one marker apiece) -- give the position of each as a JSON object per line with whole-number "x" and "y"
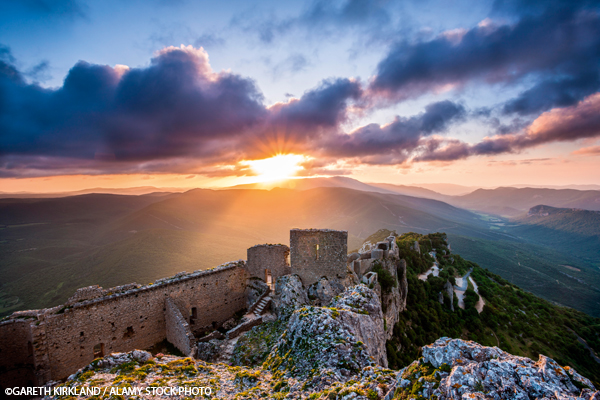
{"x": 281, "y": 166}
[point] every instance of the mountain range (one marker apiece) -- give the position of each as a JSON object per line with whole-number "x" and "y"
{"x": 52, "y": 246}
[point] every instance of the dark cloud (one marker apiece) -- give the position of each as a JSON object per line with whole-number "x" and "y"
{"x": 560, "y": 49}
{"x": 581, "y": 121}
{"x": 40, "y": 72}
{"x": 555, "y": 93}
{"x": 175, "y": 114}
{"x": 536, "y": 7}
{"x": 170, "y": 108}
{"x": 6, "y": 54}
{"x": 394, "y": 143}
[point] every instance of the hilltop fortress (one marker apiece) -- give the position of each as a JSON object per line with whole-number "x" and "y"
{"x": 38, "y": 346}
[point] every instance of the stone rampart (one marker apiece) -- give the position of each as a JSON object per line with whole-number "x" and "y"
{"x": 67, "y": 338}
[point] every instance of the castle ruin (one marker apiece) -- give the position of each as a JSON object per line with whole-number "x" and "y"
{"x": 37, "y": 346}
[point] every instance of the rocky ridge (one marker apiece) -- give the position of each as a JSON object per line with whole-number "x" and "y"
{"x": 458, "y": 369}
{"x": 449, "y": 369}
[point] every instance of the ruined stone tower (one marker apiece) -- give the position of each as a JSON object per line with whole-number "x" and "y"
{"x": 268, "y": 262}
{"x": 315, "y": 253}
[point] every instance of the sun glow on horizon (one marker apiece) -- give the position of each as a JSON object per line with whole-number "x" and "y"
{"x": 279, "y": 167}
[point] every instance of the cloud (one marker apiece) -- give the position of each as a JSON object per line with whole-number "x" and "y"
{"x": 39, "y": 72}
{"x": 567, "y": 124}
{"x": 393, "y": 143}
{"x": 209, "y": 40}
{"x": 371, "y": 19}
{"x": 177, "y": 114}
{"x": 558, "y": 50}
{"x": 295, "y": 62}
{"x": 172, "y": 108}
{"x": 534, "y": 7}
{"x": 588, "y": 151}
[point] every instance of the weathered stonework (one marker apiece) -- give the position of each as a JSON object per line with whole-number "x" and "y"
{"x": 178, "y": 330}
{"x": 315, "y": 253}
{"x": 55, "y": 342}
{"x": 37, "y": 346}
{"x": 272, "y": 259}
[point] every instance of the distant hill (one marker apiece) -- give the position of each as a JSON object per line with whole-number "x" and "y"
{"x": 50, "y": 247}
{"x": 569, "y": 229}
{"x": 313, "y": 183}
{"x": 448, "y": 189}
{"x": 411, "y": 191}
{"x": 511, "y": 202}
{"x": 140, "y": 190}
{"x": 348, "y": 183}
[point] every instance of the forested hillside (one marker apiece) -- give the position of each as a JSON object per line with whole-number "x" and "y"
{"x": 512, "y": 319}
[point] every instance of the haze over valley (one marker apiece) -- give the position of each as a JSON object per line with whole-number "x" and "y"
{"x": 53, "y": 246}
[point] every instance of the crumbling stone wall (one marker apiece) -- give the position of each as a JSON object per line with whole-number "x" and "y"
{"x": 86, "y": 293}
{"x": 315, "y": 253}
{"x": 65, "y": 338}
{"x": 273, "y": 257}
{"x": 178, "y": 329}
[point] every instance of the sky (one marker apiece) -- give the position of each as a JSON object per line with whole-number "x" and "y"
{"x": 182, "y": 93}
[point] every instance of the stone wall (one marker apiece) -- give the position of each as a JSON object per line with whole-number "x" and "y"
{"x": 315, "y": 253}
{"x": 66, "y": 338}
{"x": 273, "y": 257}
{"x": 178, "y": 329}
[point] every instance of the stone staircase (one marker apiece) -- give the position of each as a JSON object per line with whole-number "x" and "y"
{"x": 262, "y": 304}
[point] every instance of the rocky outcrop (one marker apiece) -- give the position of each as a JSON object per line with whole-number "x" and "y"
{"x": 360, "y": 312}
{"x": 317, "y": 358}
{"x": 458, "y": 369}
{"x": 321, "y": 292}
{"x": 393, "y": 301}
{"x": 254, "y": 289}
{"x": 329, "y": 344}
{"x": 289, "y": 295}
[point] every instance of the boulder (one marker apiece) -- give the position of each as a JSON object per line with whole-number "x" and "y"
{"x": 321, "y": 292}
{"x": 467, "y": 370}
{"x": 289, "y": 295}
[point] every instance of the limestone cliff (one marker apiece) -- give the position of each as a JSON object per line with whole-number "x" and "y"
{"x": 393, "y": 300}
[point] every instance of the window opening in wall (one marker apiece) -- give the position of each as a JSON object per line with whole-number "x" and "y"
{"x": 193, "y": 315}
{"x": 99, "y": 350}
{"x": 269, "y": 278}
{"x": 317, "y": 252}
